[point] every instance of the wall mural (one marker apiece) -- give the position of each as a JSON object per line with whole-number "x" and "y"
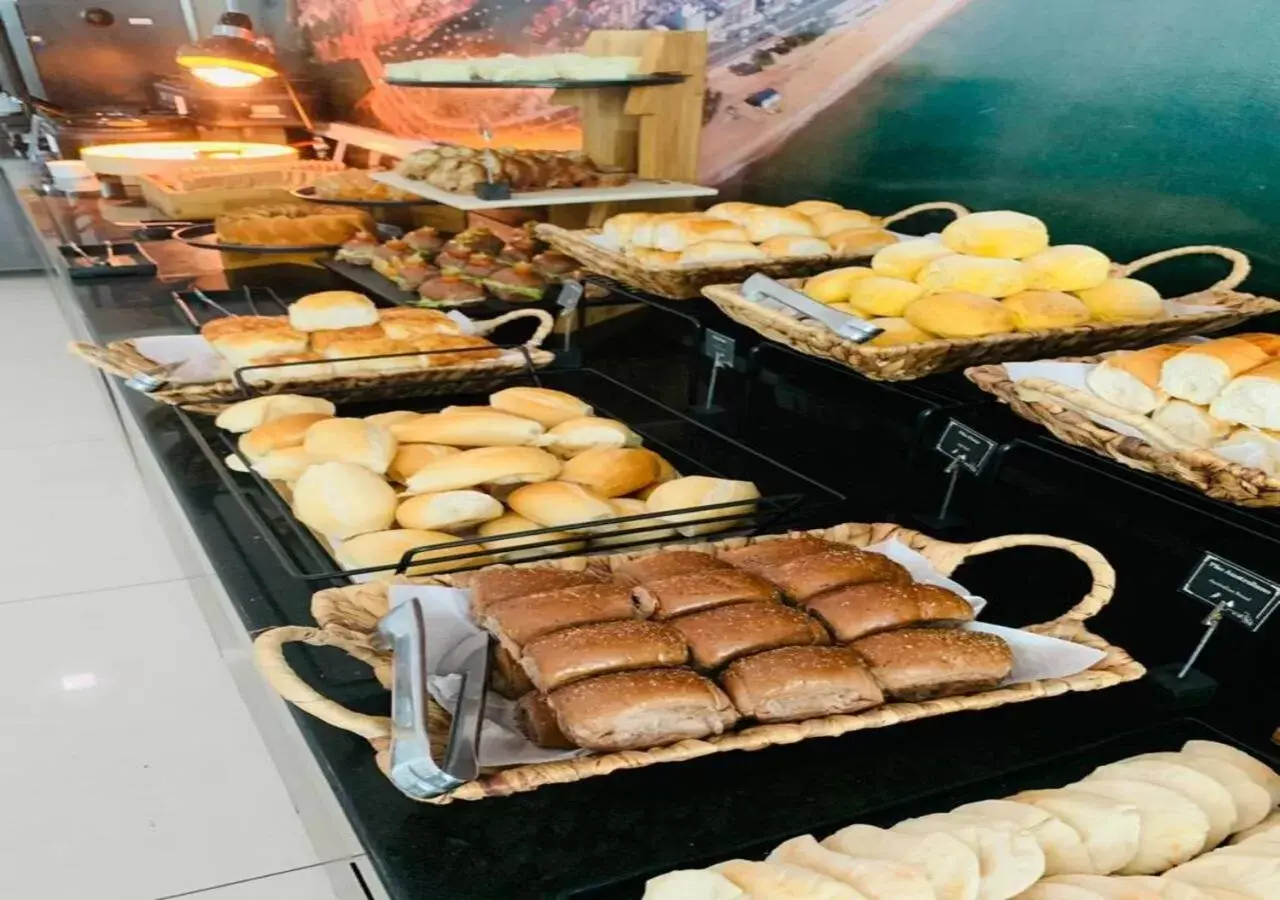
{"x": 775, "y": 64}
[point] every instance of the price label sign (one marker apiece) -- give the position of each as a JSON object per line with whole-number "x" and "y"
{"x": 965, "y": 446}
{"x": 720, "y": 347}
{"x": 570, "y": 295}
{"x": 1250, "y": 598}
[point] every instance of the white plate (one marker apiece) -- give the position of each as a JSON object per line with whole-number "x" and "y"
{"x": 634, "y": 190}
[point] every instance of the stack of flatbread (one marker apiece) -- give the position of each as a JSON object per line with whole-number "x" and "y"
{"x": 1138, "y": 829}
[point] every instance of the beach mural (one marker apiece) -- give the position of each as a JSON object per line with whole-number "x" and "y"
{"x": 775, "y": 64}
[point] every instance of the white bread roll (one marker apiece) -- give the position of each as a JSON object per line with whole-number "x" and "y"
{"x": 650, "y": 257}
{"x": 473, "y": 429}
{"x": 1190, "y": 422}
{"x": 1251, "y": 399}
{"x": 545, "y": 406}
{"x": 485, "y": 465}
{"x": 721, "y": 251}
{"x": 387, "y": 419}
{"x": 813, "y": 208}
{"x": 1264, "y": 447}
{"x": 834, "y": 285}
{"x": 447, "y": 511}
{"x": 560, "y": 504}
{"x": 287, "y": 431}
{"x": 762, "y": 224}
{"x": 735, "y": 212}
{"x": 832, "y": 222}
{"x": 1000, "y": 233}
{"x": 573, "y": 436}
{"x": 351, "y": 440}
{"x": 619, "y": 229}
{"x": 285, "y": 465}
{"x": 643, "y": 231}
{"x": 1067, "y": 267}
{"x": 854, "y": 242}
{"x": 332, "y": 309}
{"x": 235, "y": 463}
{"x": 247, "y": 348}
{"x": 1131, "y": 380}
{"x": 905, "y": 259}
{"x": 410, "y": 458}
{"x": 679, "y": 234}
{"x": 341, "y": 500}
{"x": 697, "y": 491}
{"x": 795, "y": 245}
{"x": 973, "y": 275}
{"x": 387, "y": 548}
{"x": 613, "y": 471}
{"x": 1123, "y": 300}
{"x": 507, "y": 549}
{"x": 249, "y": 414}
{"x": 647, "y": 530}
{"x": 895, "y": 332}
{"x": 1202, "y": 371}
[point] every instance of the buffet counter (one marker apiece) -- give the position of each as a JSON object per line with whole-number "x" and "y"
{"x": 576, "y": 840}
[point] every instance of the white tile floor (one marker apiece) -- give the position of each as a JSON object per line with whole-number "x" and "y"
{"x": 130, "y": 766}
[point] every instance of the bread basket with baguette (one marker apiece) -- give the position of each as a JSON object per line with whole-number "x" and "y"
{"x": 347, "y": 619}
{"x": 684, "y": 281}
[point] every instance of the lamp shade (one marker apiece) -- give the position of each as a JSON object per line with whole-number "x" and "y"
{"x": 230, "y": 57}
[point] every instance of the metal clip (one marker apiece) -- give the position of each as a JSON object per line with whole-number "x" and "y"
{"x": 766, "y": 291}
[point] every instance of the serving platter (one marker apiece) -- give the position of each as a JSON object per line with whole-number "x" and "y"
{"x": 205, "y": 237}
{"x": 308, "y": 193}
{"x": 639, "y": 189}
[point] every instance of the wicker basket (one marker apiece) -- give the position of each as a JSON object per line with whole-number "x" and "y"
{"x": 1065, "y": 412}
{"x": 687, "y": 282}
{"x": 347, "y": 618}
{"x": 122, "y": 358}
{"x": 905, "y": 362}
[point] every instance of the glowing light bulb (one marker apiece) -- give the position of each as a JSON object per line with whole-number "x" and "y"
{"x": 225, "y": 76}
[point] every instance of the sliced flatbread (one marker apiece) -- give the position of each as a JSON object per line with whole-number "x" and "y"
{"x": 1259, "y": 845}
{"x": 1256, "y": 769}
{"x": 1009, "y": 859}
{"x": 1213, "y": 799}
{"x": 1269, "y": 825}
{"x": 692, "y": 884}
{"x": 874, "y": 879}
{"x": 1173, "y": 828}
{"x": 1252, "y": 800}
{"x": 778, "y": 881}
{"x": 1257, "y": 877}
{"x": 1221, "y": 893}
{"x": 1064, "y": 849}
{"x": 1109, "y": 828}
{"x": 949, "y": 865}
{"x": 1110, "y": 887}
{"x": 1048, "y": 890}
{"x": 1166, "y": 888}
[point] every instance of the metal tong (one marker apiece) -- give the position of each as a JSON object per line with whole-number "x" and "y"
{"x": 770, "y": 293}
{"x": 413, "y": 768}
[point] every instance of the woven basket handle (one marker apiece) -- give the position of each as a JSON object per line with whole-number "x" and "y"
{"x": 1240, "y": 266}
{"x": 268, "y": 655}
{"x": 546, "y": 322}
{"x": 1104, "y": 576}
{"x": 103, "y": 358}
{"x": 924, "y": 207}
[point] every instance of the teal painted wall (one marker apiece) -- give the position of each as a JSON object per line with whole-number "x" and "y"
{"x": 1132, "y": 125}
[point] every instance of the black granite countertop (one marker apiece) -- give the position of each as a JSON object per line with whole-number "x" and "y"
{"x": 567, "y": 840}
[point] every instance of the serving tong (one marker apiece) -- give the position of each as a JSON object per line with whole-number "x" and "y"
{"x": 773, "y": 294}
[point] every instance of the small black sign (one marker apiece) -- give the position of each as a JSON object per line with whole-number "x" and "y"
{"x": 570, "y": 294}
{"x": 1250, "y": 597}
{"x": 966, "y": 446}
{"x": 719, "y": 347}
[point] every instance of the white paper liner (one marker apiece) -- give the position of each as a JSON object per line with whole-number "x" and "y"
{"x": 448, "y": 624}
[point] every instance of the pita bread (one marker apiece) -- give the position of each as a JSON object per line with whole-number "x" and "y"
{"x": 1259, "y": 771}
{"x": 1254, "y": 876}
{"x": 1009, "y": 859}
{"x": 1252, "y": 800}
{"x": 1212, "y": 798}
{"x": 1258, "y": 845}
{"x": 1173, "y": 828}
{"x": 778, "y": 881}
{"x": 874, "y": 879}
{"x": 1166, "y": 888}
{"x": 1109, "y": 828}
{"x": 1109, "y": 887}
{"x": 1064, "y": 849}
{"x": 692, "y": 884}
{"x": 1218, "y": 893}
{"x": 1048, "y": 890}
{"x": 1269, "y": 824}
{"x": 949, "y": 865}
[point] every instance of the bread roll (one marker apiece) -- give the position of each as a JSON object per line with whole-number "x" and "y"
{"x": 409, "y": 322}
{"x": 643, "y": 230}
{"x": 546, "y": 407}
{"x": 519, "y": 620}
{"x": 780, "y": 881}
{"x": 836, "y": 220}
{"x": 735, "y": 212}
{"x": 332, "y": 309}
{"x": 800, "y": 683}
{"x": 449, "y": 511}
{"x": 1000, "y": 234}
{"x": 1268, "y": 460}
{"x": 1202, "y": 371}
{"x": 653, "y": 567}
{"x": 620, "y": 228}
{"x": 484, "y": 465}
{"x": 881, "y": 296}
{"x": 719, "y": 636}
{"x": 537, "y": 721}
{"x": 721, "y": 251}
{"x": 1123, "y": 300}
{"x": 490, "y": 586}
{"x": 795, "y": 245}
{"x": 905, "y": 259}
{"x": 388, "y": 548}
{"x": 573, "y": 436}
{"x": 243, "y": 348}
{"x": 225, "y": 325}
{"x": 974, "y": 275}
{"x": 766, "y": 222}
{"x": 660, "y": 258}
{"x": 409, "y": 458}
{"x": 813, "y": 574}
{"x": 341, "y": 500}
{"x": 286, "y": 465}
{"x": 490, "y": 429}
{"x": 1131, "y": 380}
{"x": 286, "y": 431}
{"x": 955, "y": 314}
{"x": 287, "y": 367}
{"x": 1251, "y": 399}
{"x": 696, "y": 491}
{"x": 233, "y": 462}
{"x": 634, "y": 710}
{"x": 351, "y": 440}
{"x": 560, "y": 504}
{"x": 681, "y": 234}
{"x": 896, "y": 332}
{"x": 649, "y": 529}
{"x": 813, "y": 208}
{"x": 380, "y": 355}
{"x": 1066, "y": 267}
{"x": 860, "y": 241}
{"x": 1043, "y": 310}
{"x": 387, "y": 419}
{"x": 539, "y": 546}
{"x": 762, "y": 554}
{"x": 443, "y": 350}
{"x": 321, "y": 341}
{"x": 858, "y": 610}
{"x": 573, "y": 654}
{"x": 833, "y": 286}
{"x": 249, "y": 414}
{"x": 612, "y": 471}
{"x": 920, "y": 663}
{"x": 1269, "y": 343}
{"x": 696, "y": 591}
{"x": 1192, "y": 423}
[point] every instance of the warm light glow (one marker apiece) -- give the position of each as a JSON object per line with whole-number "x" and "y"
{"x": 226, "y": 77}
{"x": 192, "y": 150}
{"x": 199, "y": 64}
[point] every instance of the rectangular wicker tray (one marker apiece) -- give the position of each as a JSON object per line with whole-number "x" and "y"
{"x": 347, "y": 618}
{"x": 909, "y": 361}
